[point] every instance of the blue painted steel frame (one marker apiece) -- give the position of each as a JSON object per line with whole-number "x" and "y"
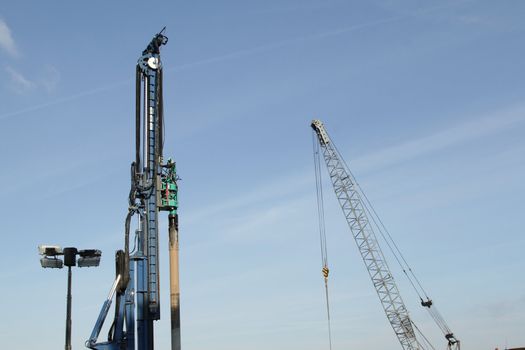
{"x": 142, "y": 287}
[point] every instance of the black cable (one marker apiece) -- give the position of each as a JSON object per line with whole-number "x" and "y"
{"x": 161, "y": 112}
{"x": 137, "y": 118}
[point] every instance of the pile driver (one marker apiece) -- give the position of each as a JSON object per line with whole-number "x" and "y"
{"x": 153, "y": 189}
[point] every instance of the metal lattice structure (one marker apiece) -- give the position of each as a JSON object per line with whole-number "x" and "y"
{"x": 351, "y": 203}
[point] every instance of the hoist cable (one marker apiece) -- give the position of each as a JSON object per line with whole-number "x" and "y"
{"x": 401, "y": 260}
{"x": 395, "y": 246}
{"x": 396, "y": 252}
{"x": 320, "y": 204}
{"x": 328, "y": 313}
{"x": 322, "y": 230}
{"x": 393, "y": 253}
{"x": 422, "y": 335}
{"x": 434, "y": 313}
{"x": 376, "y": 221}
{"x": 381, "y": 227}
{"x": 398, "y": 255}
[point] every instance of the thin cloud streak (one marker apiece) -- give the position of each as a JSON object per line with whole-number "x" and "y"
{"x": 291, "y": 186}
{"x": 247, "y": 227}
{"x": 230, "y": 56}
{"x": 50, "y": 79}
{"x": 284, "y": 187}
{"x": 287, "y": 42}
{"x": 465, "y": 187}
{"x": 7, "y": 43}
{"x": 65, "y": 99}
{"x": 473, "y": 129}
{"x": 18, "y": 82}
{"x": 21, "y": 84}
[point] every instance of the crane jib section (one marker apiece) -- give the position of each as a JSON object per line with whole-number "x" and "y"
{"x": 356, "y": 216}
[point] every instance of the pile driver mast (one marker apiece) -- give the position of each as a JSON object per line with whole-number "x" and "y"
{"x": 357, "y": 215}
{"x": 153, "y": 189}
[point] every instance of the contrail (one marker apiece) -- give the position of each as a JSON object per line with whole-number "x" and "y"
{"x": 65, "y": 99}
{"x": 234, "y": 55}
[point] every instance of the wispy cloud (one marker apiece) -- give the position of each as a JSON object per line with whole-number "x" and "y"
{"x": 284, "y": 187}
{"x": 236, "y": 55}
{"x": 288, "y": 189}
{"x": 460, "y": 133}
{"x": 7, "y": 42}
{"x": 69, "y": 98}
{"x": 249, "y": 224}
{"x": 499, "y": 309}
{"x": 18, "y": 82}
{"x": 50, "y": 78}
{"x": 47, "y": 80}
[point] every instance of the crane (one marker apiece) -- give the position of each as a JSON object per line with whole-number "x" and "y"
{"x": 358, "y": 211}
{"x": 153, "y": 188}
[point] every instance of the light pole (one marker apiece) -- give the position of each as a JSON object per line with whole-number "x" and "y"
{"x": 50, "y": 259}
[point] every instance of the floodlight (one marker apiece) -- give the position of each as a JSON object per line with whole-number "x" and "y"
{"x": 52, "y": 263}
{"x": 89, "y": 253}
{"x": 89, "y": 257}
{"x": 89, "y": 261}
{"x": 49, "y": 250}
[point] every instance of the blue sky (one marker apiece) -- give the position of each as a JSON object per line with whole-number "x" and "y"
{"x": 426, "y": 101}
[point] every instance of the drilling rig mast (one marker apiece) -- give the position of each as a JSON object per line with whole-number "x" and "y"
{"x": 153, "y": 189}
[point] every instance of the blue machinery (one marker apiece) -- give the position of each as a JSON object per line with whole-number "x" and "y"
{"x": 153, "y": 189}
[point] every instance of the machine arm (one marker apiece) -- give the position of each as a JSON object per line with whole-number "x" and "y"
{"x": 153, "y": 189}
{"x": 361, "y": 229}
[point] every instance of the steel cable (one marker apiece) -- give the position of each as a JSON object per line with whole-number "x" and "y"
{"x": 322, "y": 230}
